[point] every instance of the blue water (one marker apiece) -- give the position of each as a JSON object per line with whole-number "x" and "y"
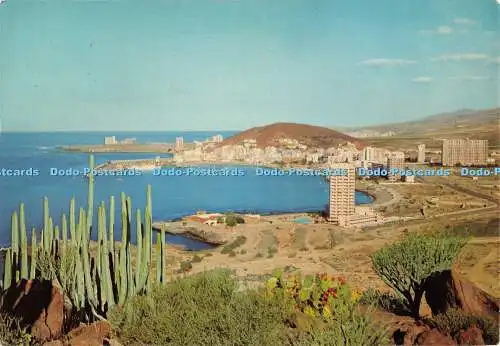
{"x": 173, "y": 196}
{"x": 303, "y": 220}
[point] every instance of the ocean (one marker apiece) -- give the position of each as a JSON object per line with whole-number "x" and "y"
{"x": 173, "y": 196}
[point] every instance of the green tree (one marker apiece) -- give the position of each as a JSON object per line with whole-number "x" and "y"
{"x": 406, "y": 265}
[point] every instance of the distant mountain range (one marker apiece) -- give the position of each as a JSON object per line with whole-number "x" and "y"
{"x": 474, "y": 124}
{"x": 463, "y": 122}
{"x": 312, "y": 136}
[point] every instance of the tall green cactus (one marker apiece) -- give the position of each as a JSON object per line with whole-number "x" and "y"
{"x": 163, "y": 258}
{"x": 15, "y": 246}
{"x": 7, "y": 270}
{"x": 64, "y": 225}
{"x": 72, "y": 221}
{"x": 90, "y": 197}
{"x": 112, "y": 224}
{"x": 138, "y": 255}
{"x": 45, "y": 223}
{"x": 33, "y": 254}
{"x": 102, "y": 275}
{"x": 24, "y": 243}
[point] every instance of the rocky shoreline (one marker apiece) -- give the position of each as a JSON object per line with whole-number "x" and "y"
{"x": 210, "y": 237}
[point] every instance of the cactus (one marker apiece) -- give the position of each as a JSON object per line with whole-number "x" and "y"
{"x": 64, "y": 225}
{"x": 72, "y": 221}
{"x": 50, "y": 235}
{"x": 45, "y": 223}
{"x": 138, "y": 255}
{"x": 15, "y": 246}
{"x": 100, "y": 278}
{"x": 112, "y": 224}
{"x": 24, "y": 243}
{"x": 90, "y": 197}
{"x": 163, "y": 258}
{"x": 158, "y": 258}
{"x": 33, "y": 254}
{"x": 7, "y": 270}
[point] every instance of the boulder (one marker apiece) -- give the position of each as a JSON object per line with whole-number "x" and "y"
{"x": 112, "y": 342}
{"x": 418, "y": 333}
{"x": 39, "y": 306}
{"x": 472, "y": 336}
{"x": 54, "y": 343}
{"x": 93, "y": 334}
{"x": 447, "y": 289}
{"x": 434, "y": 337}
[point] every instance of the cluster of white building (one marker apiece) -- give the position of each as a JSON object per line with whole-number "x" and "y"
{"x": 287, "y": 151}
{"x": 111, "y": 140}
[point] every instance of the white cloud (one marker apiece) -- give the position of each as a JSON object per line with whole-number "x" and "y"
{"x": 422, "y": 80}
{"x": 471, "y": 78}
{"x": 463, "y": 21}
{"x": 496, "y": 60}
{"x": 441, "y": 30}
{"x": 462, "y": 57}
{"x": 387, "y": 62}
{"x": 444, "y": 30}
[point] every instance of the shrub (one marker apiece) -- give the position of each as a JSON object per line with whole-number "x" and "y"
{"x": 232, "y": 254}
{"x": 331, "y": 300}
{"x": 233, "y": 219}
{"x": 454, "y": 320}
{"x": 231, "y": 222}
{"x": 243, "y": 252}
{"x": 185, "y": 266}
{"x": 351, "y": 328}
{"x": 239, "y": 241}
{"x": 271, "y": 251}
{"x": 312, "y": 294}
{"x": 203, "y": 309}
{"x": 196, "y": 259}
{"x": 11, "y": 333}
{"x": 407, "y": 264}
{"x": 384, "y": 300}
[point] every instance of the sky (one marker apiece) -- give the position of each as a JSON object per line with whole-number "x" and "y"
{"x": 233, "y": 64}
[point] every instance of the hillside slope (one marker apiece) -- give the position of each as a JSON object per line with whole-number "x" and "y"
{"x": 483, "y": 124}
{"x": 313, "y": 136}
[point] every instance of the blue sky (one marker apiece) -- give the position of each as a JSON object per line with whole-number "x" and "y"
{"x": 234, "y": 64}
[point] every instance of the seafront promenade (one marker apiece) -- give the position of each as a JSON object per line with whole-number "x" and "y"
{"x": 121, "y": 148}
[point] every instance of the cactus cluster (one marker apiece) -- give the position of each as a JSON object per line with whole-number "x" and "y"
{"x": 95, "y": 275}
{"x": 312, "y": 294}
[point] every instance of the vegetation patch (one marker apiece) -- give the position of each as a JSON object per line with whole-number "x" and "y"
{"x": 271, "y": 251}
{"x": 209, "y": 309}
{"x": 406, "y": 265}
{"x": 268, "y": 244}
{"x": 11, "y": 333}
{"x": 239, "y": 241}
{"x": 299, "y": 239}
{"x": 196, "y": 259}
{"x": 455, "y": 320}
{"x": 232, "y": 220}
{"x": 386, "y": 301}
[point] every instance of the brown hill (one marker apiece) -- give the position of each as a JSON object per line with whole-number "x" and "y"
{"x": 312, "y": 136}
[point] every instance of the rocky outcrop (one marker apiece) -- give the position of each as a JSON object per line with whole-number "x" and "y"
{"x": 447, "y": 290}
{"x": 472, "y": 336}
{"x": 418, "y": 333}
{"x": 39, "y": 306}
{"x": 95, "y": 334}
{"x": 433, "y": 337}
{"x": 214, "y": 237}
